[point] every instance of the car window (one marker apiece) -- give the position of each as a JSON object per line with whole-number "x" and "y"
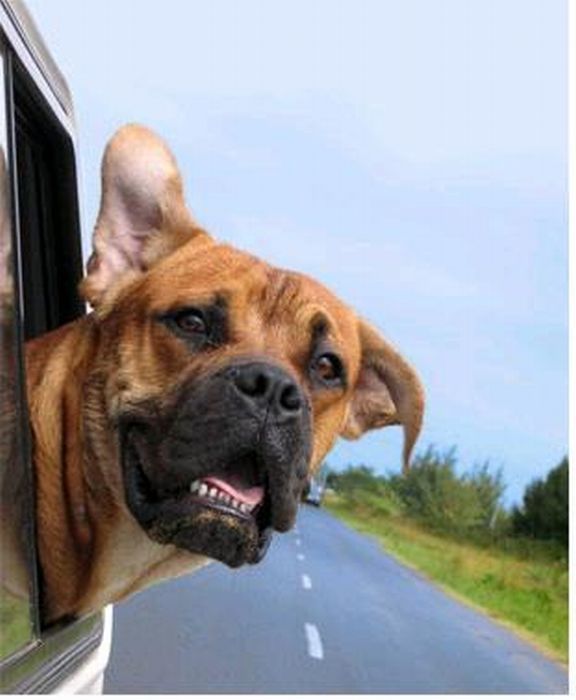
{"x": 40, "y": 267}
{"x": 17, "y": 627}
{"x": 50, "y": 248}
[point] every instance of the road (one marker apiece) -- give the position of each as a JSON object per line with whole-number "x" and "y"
{"x": 327, "y": 612}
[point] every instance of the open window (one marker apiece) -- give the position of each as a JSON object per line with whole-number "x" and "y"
{"x": 50, "y": 252}
{"x": 40, "y": 267}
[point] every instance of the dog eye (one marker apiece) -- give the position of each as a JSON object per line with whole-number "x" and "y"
{"x": 328, "y": 367}
{"x": 191, "y": 321}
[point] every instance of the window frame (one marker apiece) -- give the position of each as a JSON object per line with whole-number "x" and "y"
{"x": 52, "y": 654}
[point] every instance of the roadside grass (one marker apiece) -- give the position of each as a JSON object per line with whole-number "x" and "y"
{"x": 15, "y": 628}
{"x": 522, "y": 584}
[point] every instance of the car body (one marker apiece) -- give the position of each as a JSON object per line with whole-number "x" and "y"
{"x": 315, "y": 492}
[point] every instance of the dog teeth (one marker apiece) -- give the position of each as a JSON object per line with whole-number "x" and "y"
{"x": 201, "y": 489}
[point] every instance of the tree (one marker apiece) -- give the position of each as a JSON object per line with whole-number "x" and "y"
{"x": 544, "y": 512}
{"x": 435, "y": 494}
{"x": 489, "y": 488}
{"x": 353, "y": 479}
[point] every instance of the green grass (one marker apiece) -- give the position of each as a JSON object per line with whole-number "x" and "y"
{"x": 523, "y": 586}
{"x": 15, "y": 626}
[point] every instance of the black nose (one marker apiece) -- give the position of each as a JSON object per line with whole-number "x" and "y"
{"x": 268, "y": 387}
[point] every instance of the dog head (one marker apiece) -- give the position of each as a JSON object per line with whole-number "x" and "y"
{"x": 225, "y": 380}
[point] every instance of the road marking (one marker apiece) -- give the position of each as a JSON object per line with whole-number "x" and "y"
{"x": 300, "y": 557}
{"x": 306, "y": 582}
{"x": 298, "y": 541}
{"x": 315, "y": 649}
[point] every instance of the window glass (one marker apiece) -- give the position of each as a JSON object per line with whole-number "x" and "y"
{"x": 16, "y": 626}
{"x": 50, "y": 253}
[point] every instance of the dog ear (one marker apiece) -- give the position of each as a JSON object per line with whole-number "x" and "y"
{"x": 387, "y": 392}
{"x": 143, "y": 216}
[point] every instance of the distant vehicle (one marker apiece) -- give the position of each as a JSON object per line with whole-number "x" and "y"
{"x": 40, "y": 267}
{"x": 316, "y": 488}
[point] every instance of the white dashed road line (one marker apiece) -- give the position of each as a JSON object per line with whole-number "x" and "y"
{"x": 315, "y": 650}
{"x": 313, "y": 639}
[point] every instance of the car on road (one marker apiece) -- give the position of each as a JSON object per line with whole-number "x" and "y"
{"x": 315, "y": 492}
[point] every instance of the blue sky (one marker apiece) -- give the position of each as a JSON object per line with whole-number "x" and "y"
{"x": 411, "y": 155}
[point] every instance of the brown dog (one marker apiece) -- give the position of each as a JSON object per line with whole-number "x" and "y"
{"x": 179, "y": 421}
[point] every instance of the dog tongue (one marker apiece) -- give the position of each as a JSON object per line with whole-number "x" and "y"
{"x": 252, "y": 495}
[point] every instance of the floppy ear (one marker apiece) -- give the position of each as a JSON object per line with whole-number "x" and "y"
{"x": 387, "y": 392}
{"x": 143, "y": 215}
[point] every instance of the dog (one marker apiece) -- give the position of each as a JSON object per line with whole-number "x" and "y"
{"x": 178, "y": 422}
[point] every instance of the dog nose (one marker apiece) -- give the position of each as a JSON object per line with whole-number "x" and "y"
{"x": 268, "y": 387}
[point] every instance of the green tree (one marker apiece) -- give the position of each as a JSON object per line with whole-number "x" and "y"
{"x": 489, "y": 488}
{"x": 544, "y": 511}
{"x": 366, "y": 491}
{"x": 435, "y": 494}
{"x": 354, "y": 479}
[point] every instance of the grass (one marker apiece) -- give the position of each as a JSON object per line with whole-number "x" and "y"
{"x": 15, "y": 626}
{"x": 525, "y": 587}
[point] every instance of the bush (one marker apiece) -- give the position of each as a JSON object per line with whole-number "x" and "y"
{"x": 437, "y": 496}
{"x": 366, "y": 491}
{"x": 353, "y": 479}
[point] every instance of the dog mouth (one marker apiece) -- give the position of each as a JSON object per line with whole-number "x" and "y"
{"x": 224, "y": 514}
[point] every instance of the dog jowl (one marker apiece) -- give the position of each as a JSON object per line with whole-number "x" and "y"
{"x": 178, "y": 422}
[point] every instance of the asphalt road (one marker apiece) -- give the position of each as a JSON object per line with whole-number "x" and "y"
{"x": 326, "y": 612}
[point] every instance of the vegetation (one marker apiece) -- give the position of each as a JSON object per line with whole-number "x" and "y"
{"x": 454, "y": 528}
{"x": 437, "y": 497}
{"x": 544, "y": 513}
{"x": 15, "y": 628}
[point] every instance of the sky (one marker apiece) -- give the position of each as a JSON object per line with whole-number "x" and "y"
{"x": 411, "y": 155}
